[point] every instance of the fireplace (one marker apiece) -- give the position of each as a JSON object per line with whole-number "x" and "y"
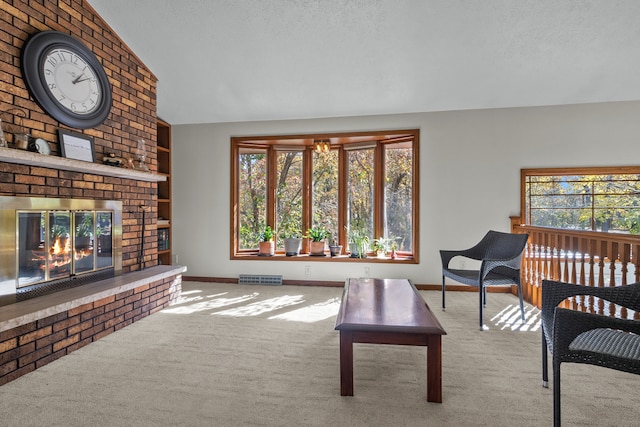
{"x": 49, "y": 244}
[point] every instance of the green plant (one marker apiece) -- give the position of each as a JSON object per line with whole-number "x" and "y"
{"x": 359, "y": 242}
{"x": 266, "y": 235}
{"x": 290, "y": 232}
{"x": 379, "y": 245}
{"x": 85, "y": 228}
{"x": 316, "y": 234}
{"x": 59, "y": 232}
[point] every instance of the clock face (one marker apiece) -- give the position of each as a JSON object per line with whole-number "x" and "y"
{"x": 71, "y": 81}
{"x": 66, "y": 79}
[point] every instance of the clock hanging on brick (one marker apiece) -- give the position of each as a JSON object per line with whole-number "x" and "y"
{"x": 66, "y": 79}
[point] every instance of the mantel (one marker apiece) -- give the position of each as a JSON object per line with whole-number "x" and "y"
{"x": 11, "y": 155}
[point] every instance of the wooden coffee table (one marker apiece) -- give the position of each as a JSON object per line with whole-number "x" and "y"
{"x": 388, "y": 311}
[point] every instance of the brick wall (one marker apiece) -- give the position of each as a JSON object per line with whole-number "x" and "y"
{"x": 28, "y": 347}
{"x": 133, "y": 116}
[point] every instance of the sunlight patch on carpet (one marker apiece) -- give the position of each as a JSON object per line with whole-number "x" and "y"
{"x": 261, "y": 307}
{"x": 311, "y": 313}
{"x": 196, "y": 304}
{"x": 509, "y": 318}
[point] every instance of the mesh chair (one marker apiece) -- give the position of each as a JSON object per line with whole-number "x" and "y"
{"x": 579, "y": 337}
{"x": 500, "y": 255}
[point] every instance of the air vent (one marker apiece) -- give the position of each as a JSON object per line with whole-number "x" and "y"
{"x": 259, "y": 279}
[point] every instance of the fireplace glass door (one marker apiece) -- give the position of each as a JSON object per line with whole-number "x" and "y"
{"x": 59, "y": 244}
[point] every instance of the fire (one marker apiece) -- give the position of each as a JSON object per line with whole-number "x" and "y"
{"x": 59, "y": 249}
{"x": 60, "y": 252}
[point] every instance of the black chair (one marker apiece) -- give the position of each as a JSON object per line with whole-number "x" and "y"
{"x": 500, "y": 255}
{"x": 580, "y": 337}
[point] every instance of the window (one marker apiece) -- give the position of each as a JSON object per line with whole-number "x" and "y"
{"x": 360, "y": 182}
{"x": 252, "y": 208}
{"x": 596, "y": 199}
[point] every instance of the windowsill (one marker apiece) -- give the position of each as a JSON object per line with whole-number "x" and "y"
{"x": 326, "y": 258}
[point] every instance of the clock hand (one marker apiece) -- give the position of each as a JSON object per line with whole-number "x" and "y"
{"x": 78, "y": 79}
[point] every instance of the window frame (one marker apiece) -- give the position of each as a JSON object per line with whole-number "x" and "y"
{"x": 569, "y": 171}
{"x": 339, "y": 141}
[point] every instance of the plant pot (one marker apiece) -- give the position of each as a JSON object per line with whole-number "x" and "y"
{"x": 354, "y": 249}
{"x": 292, "y": 246}
{"x": 105, "y": 243}
{"x": 316, "y": 248}
{"x": 267, "y": 248}
{"x": 335, "y": 250}
{"x": 83, "y": 242}
{"x": 358, "y": 250}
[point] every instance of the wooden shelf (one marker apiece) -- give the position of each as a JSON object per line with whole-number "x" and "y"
{"x": 12, "y": 155}
{"x": 164, "y": 192}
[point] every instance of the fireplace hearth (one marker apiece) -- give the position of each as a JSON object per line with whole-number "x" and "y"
{"x": 50, "y": 244}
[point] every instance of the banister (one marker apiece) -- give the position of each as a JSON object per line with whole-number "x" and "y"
{"x": 587, "y": 258}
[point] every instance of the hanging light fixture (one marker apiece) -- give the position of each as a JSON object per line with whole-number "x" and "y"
{"x": 322, "y": 145}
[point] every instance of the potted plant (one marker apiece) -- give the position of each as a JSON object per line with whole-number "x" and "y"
{"x": 292, "y": 241}
{"x": 317, "y": 236}
{"x": 379, "y": 247}
{"x": 59, "y": 233}
{"x": 358, "y": 243}
{"x": 267, "y": 245}
{"x": 334, "y": 248}
{"x": 84, "y": 230}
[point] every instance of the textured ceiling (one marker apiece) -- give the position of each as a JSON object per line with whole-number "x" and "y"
{"x": 240, "y": 60}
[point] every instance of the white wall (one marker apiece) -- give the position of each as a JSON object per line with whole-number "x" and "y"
{"x": 470, "y": 165}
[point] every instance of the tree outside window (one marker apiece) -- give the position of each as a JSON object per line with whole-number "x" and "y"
{"x": 595, "y": 199}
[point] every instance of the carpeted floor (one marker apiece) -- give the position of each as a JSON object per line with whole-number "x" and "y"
{"x": 233, "y": 355}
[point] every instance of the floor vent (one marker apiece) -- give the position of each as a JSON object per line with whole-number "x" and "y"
{"x": 259, "y": 279}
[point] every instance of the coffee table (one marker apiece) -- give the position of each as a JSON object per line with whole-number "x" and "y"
{"x": 388, "y": 311}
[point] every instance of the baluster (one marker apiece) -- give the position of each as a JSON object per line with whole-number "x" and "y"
{"x": 529, "y": 274}
{"x": 555, "y": 262}
{"x": 582, "y": 249}
{"x": 592, "y": 260}
{"x": 548, "y": 257}
{"x": 539, "y": 264}
{"x": 624, "y": 262}
{"x": 592, "y": 251}
{"x": 573, "y": 246}
{"x": 581, "y": 279}
{"x": 636, "y": 263}
{"x": 612, "y": 269}
{"x": 602, "y": 256}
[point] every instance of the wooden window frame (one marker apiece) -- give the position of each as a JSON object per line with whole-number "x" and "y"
{"x": 577, "y": 171}
{"x": 339, "y": 140}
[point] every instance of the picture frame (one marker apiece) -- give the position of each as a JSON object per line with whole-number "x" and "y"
{"x": 76, "y": 146}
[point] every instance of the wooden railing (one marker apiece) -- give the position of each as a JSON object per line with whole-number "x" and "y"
{"x": 580, "y": 257}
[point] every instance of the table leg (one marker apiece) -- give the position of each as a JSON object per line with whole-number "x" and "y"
{"x": 346, "y": 363}
{"x": 434, "y": 368}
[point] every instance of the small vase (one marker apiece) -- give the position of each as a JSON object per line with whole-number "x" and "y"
{"x": 335, "y": 250}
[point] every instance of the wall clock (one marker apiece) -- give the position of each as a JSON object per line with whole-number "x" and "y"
{"x": 66, "y": 79}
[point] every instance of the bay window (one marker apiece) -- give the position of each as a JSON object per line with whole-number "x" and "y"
{"x": 349, "y": 184}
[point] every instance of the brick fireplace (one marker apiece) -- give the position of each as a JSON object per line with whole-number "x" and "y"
{"x": 42, "y": 329}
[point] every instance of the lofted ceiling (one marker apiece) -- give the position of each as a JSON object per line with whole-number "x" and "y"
{"x": 248, "y": 60}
